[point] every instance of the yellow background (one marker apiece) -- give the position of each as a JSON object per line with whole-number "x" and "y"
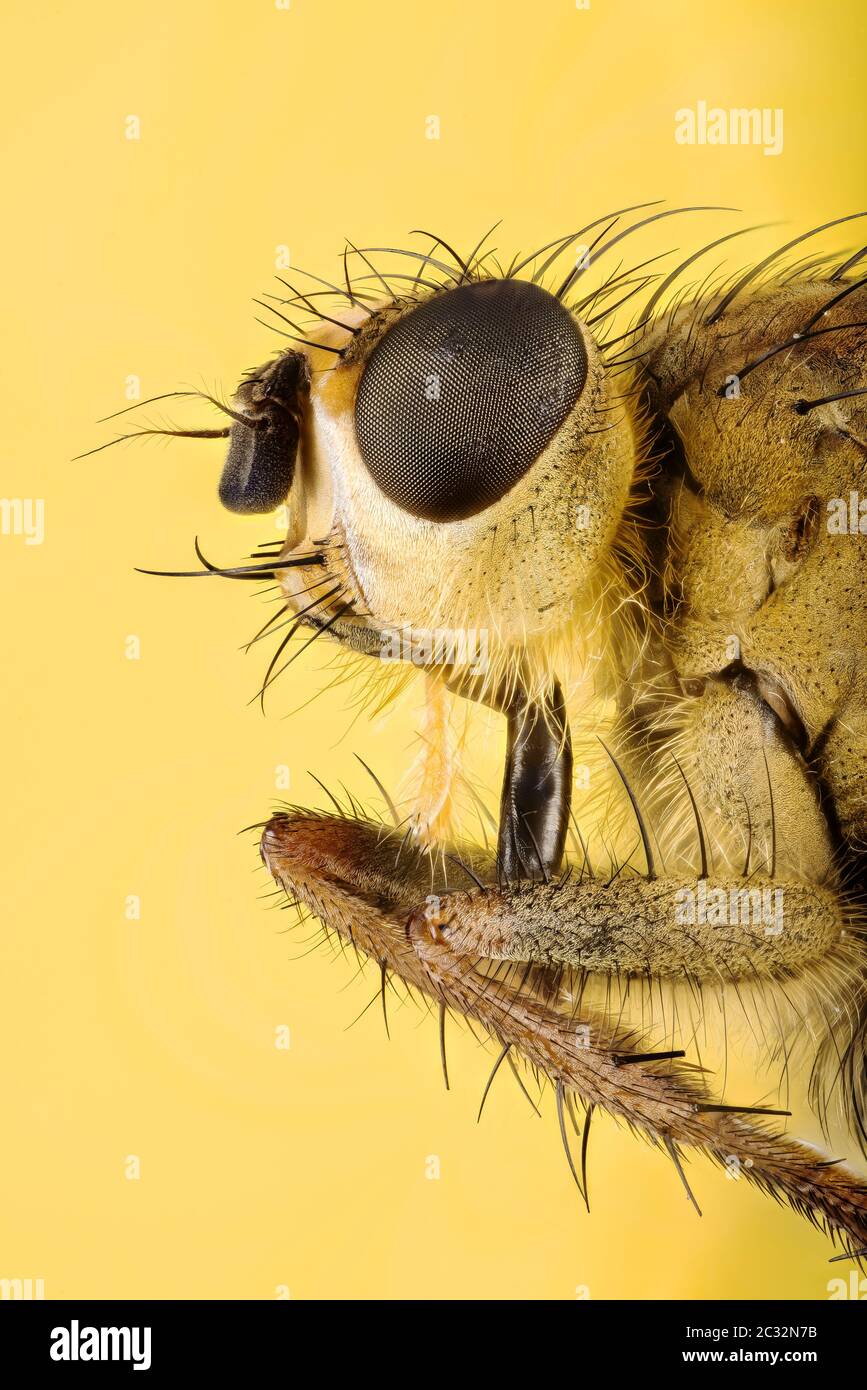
{"x": 260, "y": 126}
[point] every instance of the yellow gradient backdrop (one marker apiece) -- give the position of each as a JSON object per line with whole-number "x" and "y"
{"x": 305, "y": 1168}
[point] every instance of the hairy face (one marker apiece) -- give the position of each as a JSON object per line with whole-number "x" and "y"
{"x": 456, "y": 470}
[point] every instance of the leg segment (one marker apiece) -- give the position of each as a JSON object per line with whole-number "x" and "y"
{"x": 537, "y": 782}
{"x": 721, "y": 929}
{"x": 537, "y": 787}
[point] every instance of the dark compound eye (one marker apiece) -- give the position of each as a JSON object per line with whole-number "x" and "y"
{"x": 463, "y": 394}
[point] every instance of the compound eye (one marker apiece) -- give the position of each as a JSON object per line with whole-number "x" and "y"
{"x": 463, "y": 394}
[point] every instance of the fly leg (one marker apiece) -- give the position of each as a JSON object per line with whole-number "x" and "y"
{"x": 361, "y": 881}
{"x": 537, "y": 780}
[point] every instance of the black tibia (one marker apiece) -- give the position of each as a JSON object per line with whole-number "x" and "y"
{"x": 537, "y": 782}
{"x": 537, "y": 788}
